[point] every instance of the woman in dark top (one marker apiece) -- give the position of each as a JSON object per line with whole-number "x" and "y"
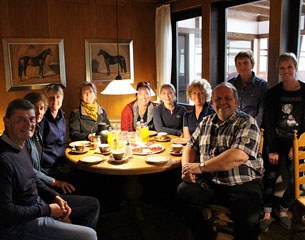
{"x": 199, "y": 92}
{"x": 53, "y": 132}
{"x": 34, "y": 144}
{"x": 168, "y": 116}
{"x": 284, "y": 113}
{"x": 84, "y": 120}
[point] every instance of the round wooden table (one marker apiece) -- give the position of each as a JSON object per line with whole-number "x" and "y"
{"x": 134, "y": 166}
{"x": 131, "y": 169}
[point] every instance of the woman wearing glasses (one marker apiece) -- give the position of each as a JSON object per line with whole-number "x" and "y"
{"x": 199, "y": 91}
{"x": 168, "y": 116}
{"x": 138, "y": 110}
{"x": 84, "y": 120}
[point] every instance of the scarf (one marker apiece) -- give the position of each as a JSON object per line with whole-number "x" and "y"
{"x": 135, "y": 112}
{"x": 90, "y": 109}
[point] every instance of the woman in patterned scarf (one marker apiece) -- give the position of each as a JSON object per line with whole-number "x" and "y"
{"x": 84, "y": 120}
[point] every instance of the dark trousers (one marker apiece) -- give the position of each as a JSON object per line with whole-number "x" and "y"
{"x": 244, "y": 201}
{"x": 271, "y": 174}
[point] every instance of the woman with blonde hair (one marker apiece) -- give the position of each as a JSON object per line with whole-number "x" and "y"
{"x": 199, "y": 92}
{"x": 168, "y": 116}
{"x": 284, "y": 113}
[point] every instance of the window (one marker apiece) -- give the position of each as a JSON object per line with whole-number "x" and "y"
{"x": 248, "y": 29}
{"x": 234, "y": 47}
{"x": 187, "y": 51}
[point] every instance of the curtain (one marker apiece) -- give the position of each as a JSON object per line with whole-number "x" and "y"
{"x": 163, "y": 45}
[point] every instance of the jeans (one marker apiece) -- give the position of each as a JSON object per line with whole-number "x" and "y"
{"x": 84, "y": 217}
{"x": 244, "y": 202}
{"x": 271, "y": 174}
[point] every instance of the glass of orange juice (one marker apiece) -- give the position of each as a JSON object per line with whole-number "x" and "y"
{"x": 144, "y": 134}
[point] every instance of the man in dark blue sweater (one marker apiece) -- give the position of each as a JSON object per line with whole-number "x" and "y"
{"x": 30, "y": 210}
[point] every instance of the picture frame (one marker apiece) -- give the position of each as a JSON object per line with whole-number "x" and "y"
{"x": 33, "y": 63}
{"x": 105, "y": 58}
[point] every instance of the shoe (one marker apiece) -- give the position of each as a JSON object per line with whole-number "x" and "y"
{"x": 264, "y": 224}
{"x": 284, "y": 220}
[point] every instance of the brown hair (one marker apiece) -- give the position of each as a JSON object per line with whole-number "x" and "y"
{"x": 35, "y": 97}
{"x": 245, "y": 54}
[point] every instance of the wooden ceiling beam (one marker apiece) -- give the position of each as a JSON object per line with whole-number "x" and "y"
{"x": 253, "y": 9}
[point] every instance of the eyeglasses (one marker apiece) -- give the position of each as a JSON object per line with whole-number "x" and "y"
{"x": 143, "y": 84}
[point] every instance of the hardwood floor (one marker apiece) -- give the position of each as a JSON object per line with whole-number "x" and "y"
{"x": 158, "y": 220}
{"x": 156, "y": 216}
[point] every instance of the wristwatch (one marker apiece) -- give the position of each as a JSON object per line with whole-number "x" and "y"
{"x": 202, "y": 166}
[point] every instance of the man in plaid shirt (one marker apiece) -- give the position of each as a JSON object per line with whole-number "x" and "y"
{"x": 221, "y": 164}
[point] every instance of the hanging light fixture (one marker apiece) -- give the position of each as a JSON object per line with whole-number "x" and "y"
{"x": 118, "y": 86}
{"x": 118, "y": 77}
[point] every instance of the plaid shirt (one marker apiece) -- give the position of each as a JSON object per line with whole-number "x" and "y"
{"x": 241, "y": 132}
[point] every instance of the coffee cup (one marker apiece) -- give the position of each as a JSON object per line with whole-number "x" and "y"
{"x": 104, "y": 147}
{"x": 118, "y": 154}
{"x": 79, "y": 147}
{"x": 177, "y": 148}
{"x": 162, "y": 135}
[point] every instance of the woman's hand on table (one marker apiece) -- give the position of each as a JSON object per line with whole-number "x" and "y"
{"x": 64, "y": 186}
{"x": 91, "y": 137}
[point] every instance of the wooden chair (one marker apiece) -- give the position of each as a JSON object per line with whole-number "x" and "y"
{"x": 299, "y": 179}
{"x": 219, "y": 215}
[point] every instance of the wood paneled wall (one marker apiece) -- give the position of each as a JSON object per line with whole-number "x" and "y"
{"x": 75, "y": 21}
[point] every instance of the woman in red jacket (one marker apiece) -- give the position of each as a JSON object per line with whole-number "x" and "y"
{"x": 139, "y": 109}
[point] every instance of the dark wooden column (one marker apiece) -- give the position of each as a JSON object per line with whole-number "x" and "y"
{"x": 284, "y": 32}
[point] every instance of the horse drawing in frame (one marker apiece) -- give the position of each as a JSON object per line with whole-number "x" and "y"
{"x": 110, "y": 60}
{"x": 37, "y": 61}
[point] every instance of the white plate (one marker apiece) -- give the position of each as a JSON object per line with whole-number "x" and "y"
{"x": 182, "y": 141}
{"x": 157, "y": 159}
{"x": 86, "y": 143}
{"x": 146, "y": 150}
{"x": 91, "y": 159}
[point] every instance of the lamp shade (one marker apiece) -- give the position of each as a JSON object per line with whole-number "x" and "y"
{"x": 119, "y": 87}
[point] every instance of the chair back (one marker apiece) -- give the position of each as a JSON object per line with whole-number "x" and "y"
{"x": 261, "y": 142}
{"x": 299, "y": 162}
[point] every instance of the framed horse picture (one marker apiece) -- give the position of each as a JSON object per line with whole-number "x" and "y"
{"x": 33, "y": 63}
{"x": 106, "y": 59}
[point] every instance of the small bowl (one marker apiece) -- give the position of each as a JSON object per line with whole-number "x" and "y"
{"x": 104, "y": 147}
{"x": 80, "y": 147}
{"x": 118, "y": 154}
{"x": 177, "y": 148}
{"x": 162, "y": 135}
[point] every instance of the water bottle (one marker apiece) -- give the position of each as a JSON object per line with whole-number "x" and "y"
{"x": 138, "y": 132}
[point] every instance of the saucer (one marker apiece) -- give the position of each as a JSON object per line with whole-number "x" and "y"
{"x": 114, "y": 161}
{"x": 86, "y": 143}
{"x": 179, "y": 140}
{"x": 175, "y": 153}
{"x": 152, "y": 133}
{"x": 167, "y": 139}
{"x": 91, "y": 159}
{"x": 74, "y": 151}
{"x": 103, "y": 153}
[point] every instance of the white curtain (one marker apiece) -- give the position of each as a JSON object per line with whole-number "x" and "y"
{"x": 163, "y": 45}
